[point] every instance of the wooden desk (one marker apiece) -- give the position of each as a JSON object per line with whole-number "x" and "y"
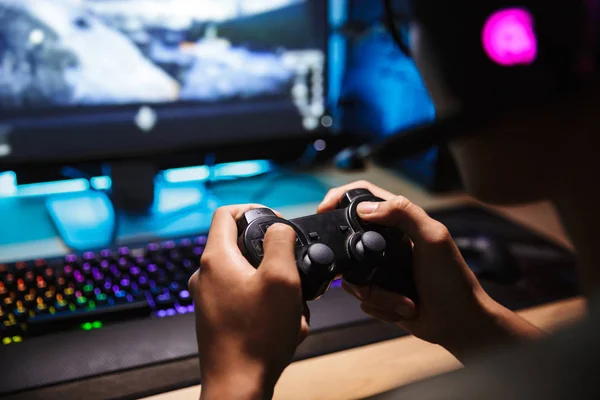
{"x": 383, "y": 366}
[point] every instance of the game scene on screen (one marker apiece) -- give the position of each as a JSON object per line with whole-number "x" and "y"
{"x": 106, "y": 52}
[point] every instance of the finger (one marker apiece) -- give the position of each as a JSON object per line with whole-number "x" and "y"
{"x": 389, "y": 302}
{"x": 333, "y": 197}
{"x": 359, "y": 292}
{"x": 304, "y": 330}
{"x": 279, "y": 260}
{"x": 222, "y": 236}
{"x": 381, "y": 315}
{"x": 410, "y": 218}
{"x": 223, "y": 228}
{"x": 193, "y": 282}
{"x": 306, "y": 313}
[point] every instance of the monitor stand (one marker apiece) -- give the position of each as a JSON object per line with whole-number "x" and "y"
{"x": 133, "y": 208}
{"x": 139, "y": 207}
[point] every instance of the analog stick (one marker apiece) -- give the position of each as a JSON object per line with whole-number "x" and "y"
{"x": 371, "y": 246}
{"x": 319, "y": 257}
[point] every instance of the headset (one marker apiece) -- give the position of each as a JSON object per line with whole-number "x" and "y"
{"x": 498, "y": 56}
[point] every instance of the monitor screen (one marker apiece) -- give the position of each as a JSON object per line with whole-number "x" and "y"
{"x": 85, "y": 78}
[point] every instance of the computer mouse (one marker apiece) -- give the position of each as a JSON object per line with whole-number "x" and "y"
{"x": 489, "y": 258}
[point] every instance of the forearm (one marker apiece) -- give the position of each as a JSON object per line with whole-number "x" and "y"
{"x": 495, "y": 326}
{"x": 236, "y": 382}
{"x": 233, "y": 391}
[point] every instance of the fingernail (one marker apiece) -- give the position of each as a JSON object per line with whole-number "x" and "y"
{"x": 403, "y": 310}
{"x": 367, "y": 208}
{"x": 354, "y": 289}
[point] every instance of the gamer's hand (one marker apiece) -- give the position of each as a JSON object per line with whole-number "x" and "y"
{"x": 248, "y": 321}
{"x": 454, "y": 310}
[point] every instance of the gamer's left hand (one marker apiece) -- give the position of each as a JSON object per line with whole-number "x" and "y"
{"x": 248, "y": 321}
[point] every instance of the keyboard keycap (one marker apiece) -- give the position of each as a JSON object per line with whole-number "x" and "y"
{"x": 67, "y": 320}
{"x": 10, "y": 328}
{"x": 185, "y": 298}
{"x": 164, "y": 301}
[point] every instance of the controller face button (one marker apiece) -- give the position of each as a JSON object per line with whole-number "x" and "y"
{"x": 314, "y": 236}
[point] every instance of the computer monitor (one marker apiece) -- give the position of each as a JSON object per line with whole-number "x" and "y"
{"x": 102, "y": 80}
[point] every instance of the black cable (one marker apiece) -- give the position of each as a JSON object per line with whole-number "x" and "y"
{"x": 391, "y": 22}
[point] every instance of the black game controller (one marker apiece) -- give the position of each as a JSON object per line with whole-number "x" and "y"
{"x": 337, "y": 243}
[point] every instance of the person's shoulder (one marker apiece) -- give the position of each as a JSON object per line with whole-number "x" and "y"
{"x": 565, "y": 365}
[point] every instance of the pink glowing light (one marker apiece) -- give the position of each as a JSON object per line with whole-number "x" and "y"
{"x": 509, "y": 37}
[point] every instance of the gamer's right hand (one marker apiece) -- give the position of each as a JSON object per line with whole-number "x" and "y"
{"x": 454, "y": 310}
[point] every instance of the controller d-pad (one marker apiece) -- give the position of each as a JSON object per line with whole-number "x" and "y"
{"x": 257, "y": 245}
{"x": 265, "y": 226}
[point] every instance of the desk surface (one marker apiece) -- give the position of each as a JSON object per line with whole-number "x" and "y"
{"x": 383, "y": 366}
{"x": 373, "y": 369}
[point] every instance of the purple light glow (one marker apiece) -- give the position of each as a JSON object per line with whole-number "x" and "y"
{"x": 181, "y": 310}
{"x": 71, "y": 258}
{"x": 184, "y": 294}
{"x": 509, "y": 37}
{"x": 171, "y": 312}
{"x": 161, "y": 314}
{"x": 190, "y": 308}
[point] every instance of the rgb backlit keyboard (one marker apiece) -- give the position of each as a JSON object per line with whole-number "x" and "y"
{"x": 86, "y": 291}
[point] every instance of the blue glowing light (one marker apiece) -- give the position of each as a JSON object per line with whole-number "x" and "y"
{"x": 190, "y": 174}
{"x": 338, "y": 12}
{"x": 101, "y": 183}
{"x": 47, "y": 188}
{"x": 8, "y": 184}
{"x": 242, "y": 169}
